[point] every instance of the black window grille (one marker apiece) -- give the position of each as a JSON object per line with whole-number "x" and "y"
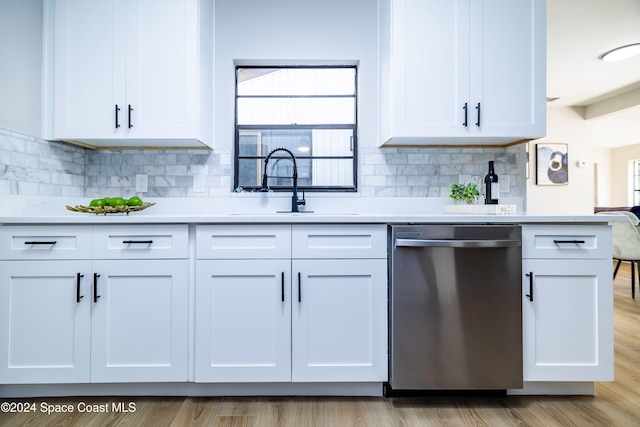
{"x": 311, "y": 111}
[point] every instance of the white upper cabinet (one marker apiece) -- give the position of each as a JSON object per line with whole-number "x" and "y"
{"x": 462, "y": 72}
{"x": 130, "y": 72}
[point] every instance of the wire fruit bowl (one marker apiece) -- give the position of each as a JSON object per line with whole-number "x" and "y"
{"x": 98, "y": 210}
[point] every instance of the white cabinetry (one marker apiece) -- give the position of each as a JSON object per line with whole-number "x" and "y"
{"x": 339, "y": 308}
{"x": 243, "y": 310}
{"x": 281, "y": 314}
{"x": 139, "y": 323}
{"x": 44, "y": 308}
{"x": 243, "y": 303}
{"x": 130, "y": 72}
{"x": 68, "y": 316}
{"x": 462, "y": 71}
{"x": 567, "y": 303}
{"x": 339, "y": 326}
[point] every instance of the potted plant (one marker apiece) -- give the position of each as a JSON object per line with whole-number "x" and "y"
{"x": 464, "y": 193}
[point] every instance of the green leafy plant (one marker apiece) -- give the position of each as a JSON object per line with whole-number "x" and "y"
{"x": 467, "y": 192}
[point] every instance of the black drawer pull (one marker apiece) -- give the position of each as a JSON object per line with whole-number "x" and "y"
{"x": 95, "y": 287}
{"x": 466, "y": 115}
{"x": 141, "y": 242}
{"x": 53, "y": 242}
{"x": 117, "y": 110}
{"x": 78, "y": 296}
{"x": 577, "y": 242}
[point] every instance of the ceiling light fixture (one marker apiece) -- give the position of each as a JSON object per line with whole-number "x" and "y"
{"x": 622, "y": 52}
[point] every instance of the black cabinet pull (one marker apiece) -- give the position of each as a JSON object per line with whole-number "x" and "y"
{"x": 466, "y": 115}
{"x": 117, "y": 110}
{"x": 141, "y": 242}
{"x": 282, "y": 285}
{"x": 478, "y": 109}
{"x": 78, "y": 296}
{"x": 577, "y": 242}
{"x": 299, "y": 292}
{"x": 52, "y": 242}
{"x": 130, "y": 110}
{"x": 530, "y": 294}
{"x": 95, "y": 287}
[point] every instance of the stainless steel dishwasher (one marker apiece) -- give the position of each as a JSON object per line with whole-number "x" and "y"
{"x": 455, "y": 308}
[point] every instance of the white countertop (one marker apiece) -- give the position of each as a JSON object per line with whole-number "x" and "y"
{"x": 264, "y": 209}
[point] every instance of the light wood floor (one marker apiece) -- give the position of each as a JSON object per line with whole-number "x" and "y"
{"x": 616, "y": 403}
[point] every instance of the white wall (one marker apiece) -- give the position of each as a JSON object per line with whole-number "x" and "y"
{"x": 21, "y": 70}
{"x": 604, "y": 177}
{"x": 564, "y": 125}
{"x": 279, "y": 32}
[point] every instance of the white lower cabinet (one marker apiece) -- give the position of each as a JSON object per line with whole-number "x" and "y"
{"x": 45, "y": 330}
{"x": 288, "y": 319}
{"x": 339, "y": 325}
{"x": 139, "y": 323}
{"x": 243, "y": 318}
{"x": 123, "y": 319}
{"x": 568, "y": 326}
{"x": 567, "y": 303}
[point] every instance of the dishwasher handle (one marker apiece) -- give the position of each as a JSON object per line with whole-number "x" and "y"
{"x": 452, "y": 243}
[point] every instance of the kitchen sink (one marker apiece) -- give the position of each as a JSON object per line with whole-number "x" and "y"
{"x": 303, "y": 213}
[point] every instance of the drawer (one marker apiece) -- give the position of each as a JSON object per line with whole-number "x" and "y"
{"x": 268, "y": 241}
{"x": 141, "y": 241}
{"x": 339, "y": 241}
{"x": 566, "y": 241}
{"x": 45, "y": 242}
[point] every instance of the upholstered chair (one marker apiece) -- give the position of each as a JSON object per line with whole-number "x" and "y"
{"x": 626, "y": 244}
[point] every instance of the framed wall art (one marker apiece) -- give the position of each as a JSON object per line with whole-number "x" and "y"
{"x": 552, "y": 166}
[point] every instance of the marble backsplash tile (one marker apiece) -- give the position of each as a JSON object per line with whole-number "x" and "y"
{"x": 32, "y": 166}
{"x": 428, "y": 172}
{"x": 170, "y": 172}
{"x": 35, "y": 167}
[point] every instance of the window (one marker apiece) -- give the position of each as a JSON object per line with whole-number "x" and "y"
{"x": 311, "y": 111}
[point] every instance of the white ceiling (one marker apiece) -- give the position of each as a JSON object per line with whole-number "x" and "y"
{"x": 578, "y": 32}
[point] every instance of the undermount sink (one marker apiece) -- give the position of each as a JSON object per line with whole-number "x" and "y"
{"x": 283, "y": 213}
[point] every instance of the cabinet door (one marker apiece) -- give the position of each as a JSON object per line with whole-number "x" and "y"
{"x": 140, "y": 321}
{"x": 162, "y": 79}
{"x": 243, "y": 321}
{"x": 430, "y": 63}
{"x": 466, "y": 70}
{"x": 126, "y": 69}
{"x": 568, "y": 326}
{"x": 339, "y": 320}
{"x": 44, "y": 326}
{"x": 89, "y": 68}
{"x": 508, "y": 68}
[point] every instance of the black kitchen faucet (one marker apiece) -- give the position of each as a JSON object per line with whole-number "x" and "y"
{"x": 295, "y": 202}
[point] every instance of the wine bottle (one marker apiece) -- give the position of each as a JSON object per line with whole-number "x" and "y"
{"x": 491, "y": 187}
